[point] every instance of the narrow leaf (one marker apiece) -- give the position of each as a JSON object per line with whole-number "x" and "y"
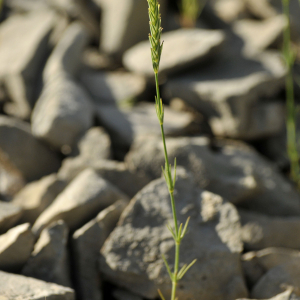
{"x": 161, "y": 295}
{"x": 171, "y": 230}
{"x": 180, "y": 229}
{"x": 187, "y": 268}
{"x": 175, "y": 165}
{"x": 181, "y": 271}
{"x": 185, "y": 227}
{"x": 167, "y": 266}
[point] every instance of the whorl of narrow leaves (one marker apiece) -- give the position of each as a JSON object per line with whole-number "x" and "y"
{"x": 155, "y": 36}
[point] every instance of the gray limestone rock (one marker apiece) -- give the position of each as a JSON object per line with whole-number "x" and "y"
{"x": 131, "y": 256}
{"x": 257, "y": 263}
{"x": 230, "y": 93}
{"x": 36, "y": 196}
{"x": 33, "y": 159}
{"x": 230, "y": 169}
{"x": 128, "y": 181}
{"x": 23, "y": 50}
{"x": 87, "y": 242}
{"x": 123, "y": 24}
{"x": 272, "y": 282}
{"x": 49, "y": 260}
{"x": 260, "y": 231}
{"x": 84, "y": 197}
{"x": 63, "y": 112}
{"x": 27, "y": 5}
{"x": 9, "y": 215}
{"x": 113, "y": 87}
{"x": 15, "y": 248}
{"x": 14, "y": 286}
{"x": 183, "y": 48}
{"x": 287, "y": 295}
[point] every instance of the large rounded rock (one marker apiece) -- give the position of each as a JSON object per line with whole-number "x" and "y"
{"x": 131, "y": 256}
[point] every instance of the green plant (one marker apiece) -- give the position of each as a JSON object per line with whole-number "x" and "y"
{"x": 190, "y": 10}
{"x": 179, "y": 231}
{"x": 289, "y": 56}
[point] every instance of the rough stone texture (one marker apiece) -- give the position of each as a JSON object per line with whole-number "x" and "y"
{"x": 120, "y": 294}
{"x": 11, "y": 179}
{"x": 14, "y": 286}
{"x": 183, "y": 48}
{"x": 63, "y": 112}
{"x": 126, "y": 125}
{"x": 9, "y": 215}
{"x": 256, "y": 264}
{"x": 260, "y": 35}
{"x": 128, "y": 181}
{"x": 49, "y": 260}
{"x": 113, "y": 87}
{"x": 66, "y": 57}
{"x": 23, "y": 50}
{"x": 230, "y": 169}
{"x": 229, "y": 93}
{"x": 132, "y": 25}
{"x": 36, "y": 196}
{"x": 33, "y": 159}
{"x": 260, "y": 231}
{"x": 87, "y": 242}
{"x": 287, "y": 295}
{"x": 271, "y": 283}
{"x": 15, "y": 247}
{"x": 131, "y": 256}
{"x": 84, "y": 197}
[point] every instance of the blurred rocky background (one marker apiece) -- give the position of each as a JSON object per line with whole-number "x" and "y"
{"x": 83, "y": 208}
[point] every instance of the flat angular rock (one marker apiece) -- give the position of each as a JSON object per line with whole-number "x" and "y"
{"x": 14, "y": 286}
{"x": 36, "y": 196}
{"x": 87, "y": 242}
{"x": 257, "y": 263}
{"x": 23, "y": 50}
{"x": 62, "y": 113}
{"x": 113, "y": 87}
{"x": 229, "y": 93}
{"x": 123, "y": 24}
{"x": 66, "y": 57}
{"x": 260, "y": 35}
{"x": 15, "y": 247}
{"x": 260, "y": 231}
{"x": 49, "y": 260}
{"x": 128, "y": 181}
{"x": 183, "y": 48}
{"x": 233, "y": 170}
{"x": 9, "y": 215}
{"x": 271, "y": 283}
{"x": 84, "y": 197}
{"x": 131, "y": 256}
{"x": 33, "y": 159}
{"x": 11, "y": 179}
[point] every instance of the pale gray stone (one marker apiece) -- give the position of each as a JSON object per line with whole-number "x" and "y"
{"x": 131, "y": 256}
{"x": 260, "y": 35}
{"x": 257, "y": 263}
{"x": 9, "y": 215}
{"x": 229, "y": 93}
{"x": 49, "y": 260}
{"x": 183, "y": 48}
{"x": 63, "y": 112}
{"x": 33, "y": 159}
{"x": 87, "y": 242}
{"x": 272, "y": 282}
{"x": 260, "y": 231}
{"x": 262, "y": 9}
{"x": 228, "y": 10}
{"x": 85, "y": 196}
{"x": 123, "y": 24}
{"x": 27, "y": 5}
{"x": 23, "y": 50}
{"x": 14, "y": 286}
{"x": 230, "y": 169}
{"x": 15, "y": 247}
{"x": 36, "y": 196}
{"x": 287, "y": 295}
{"x": 11, "y": 179}
{"x": 113, "y": 87}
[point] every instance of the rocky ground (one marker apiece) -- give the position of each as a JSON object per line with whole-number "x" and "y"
{"x": 83, "y": 207}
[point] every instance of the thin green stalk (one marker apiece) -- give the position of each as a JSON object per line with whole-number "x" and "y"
{"x": 289, "y": 56}
{"x": 180, "y": 231}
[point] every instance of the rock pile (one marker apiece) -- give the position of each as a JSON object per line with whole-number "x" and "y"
{"x": 83, "y": 207}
